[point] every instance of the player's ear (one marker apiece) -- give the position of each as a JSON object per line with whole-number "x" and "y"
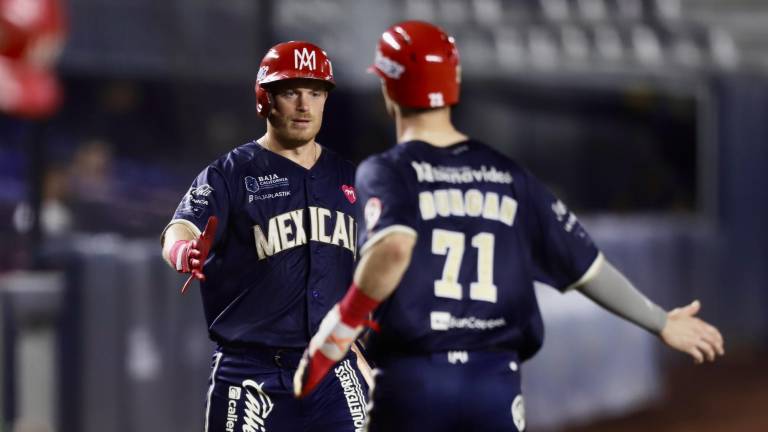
{"x": 272, "y": 105}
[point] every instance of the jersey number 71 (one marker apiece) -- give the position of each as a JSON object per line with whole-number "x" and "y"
{"x": 451, "y": 244}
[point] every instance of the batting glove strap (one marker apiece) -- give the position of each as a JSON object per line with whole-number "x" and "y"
{"x": 180, "y": 255}
{"x": 334, "y": 337}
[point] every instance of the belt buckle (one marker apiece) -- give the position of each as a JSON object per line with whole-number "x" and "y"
{"x": 277, "y": 358}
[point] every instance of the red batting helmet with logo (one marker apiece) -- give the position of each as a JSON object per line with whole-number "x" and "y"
{"x": 419, "y": 64}
{"x": 291, "y": 60}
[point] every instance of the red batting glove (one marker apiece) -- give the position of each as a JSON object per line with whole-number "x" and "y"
{"x": 338, "y": 330}
{"x": 188, "y": 256}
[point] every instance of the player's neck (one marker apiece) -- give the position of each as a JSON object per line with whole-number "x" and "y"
{"x": 431, "y": 126}
{"x": 302, "y": 153}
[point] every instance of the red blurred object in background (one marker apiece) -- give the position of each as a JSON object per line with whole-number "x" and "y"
{"x": 31, "y": 37}
{"x": 27, "y": 91}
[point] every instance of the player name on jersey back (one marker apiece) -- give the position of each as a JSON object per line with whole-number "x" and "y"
{"x": 286, "y": 231}
{"x": 472, "y": 203}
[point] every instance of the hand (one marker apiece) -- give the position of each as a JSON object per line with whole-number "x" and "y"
{"x": 684, "y": 332}
{"x": 329, "y": 345}
{"x": 189, "y": 256}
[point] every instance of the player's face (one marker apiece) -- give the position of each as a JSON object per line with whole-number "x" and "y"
{"x": 298, "y": 110}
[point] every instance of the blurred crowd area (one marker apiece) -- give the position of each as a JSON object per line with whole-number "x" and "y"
{"x": 645, "y": 116}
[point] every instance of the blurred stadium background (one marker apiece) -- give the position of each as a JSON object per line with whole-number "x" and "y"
{"x": 650, "y": 117}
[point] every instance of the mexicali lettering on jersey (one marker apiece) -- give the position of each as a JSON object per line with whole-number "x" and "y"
{"x": 286, "y": 231}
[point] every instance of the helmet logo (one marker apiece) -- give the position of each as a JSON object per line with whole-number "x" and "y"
{"x": 304, "y": 58}
{"x": 436, "y": 99}
{"x": 387, "y": 66}
{"x": 262, "y": 73}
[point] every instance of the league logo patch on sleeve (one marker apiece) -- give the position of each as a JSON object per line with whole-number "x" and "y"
{"x": 195, "y": 201}
{"x": 201, "y": 191}
{"x": 372, "y": 212}
{"x": 561, "y": 213}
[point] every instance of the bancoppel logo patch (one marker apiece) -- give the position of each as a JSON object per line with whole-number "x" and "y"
{"x": 444, "y": 321}
{"x": 518, "y": 412}
{"x": 258, "y": 406}
{"x": 387, "y": 66}
{"x": 440, "y": 320}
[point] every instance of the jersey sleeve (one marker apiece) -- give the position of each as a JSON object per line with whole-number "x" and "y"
{"x": 564, "y": 256}
{"x": 387, "y": 204}
{"x": 207, "y": 196}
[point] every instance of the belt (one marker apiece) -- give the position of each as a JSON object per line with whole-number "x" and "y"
{"x": 284, "y": 358}
{"x": 451, "y": 357}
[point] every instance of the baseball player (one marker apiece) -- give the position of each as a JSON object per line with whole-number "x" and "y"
{"x": 270, "y": 231}
{"x": 455, "y": 234}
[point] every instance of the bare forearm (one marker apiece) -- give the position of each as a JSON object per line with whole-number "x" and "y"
{"x": 381, "y": 268}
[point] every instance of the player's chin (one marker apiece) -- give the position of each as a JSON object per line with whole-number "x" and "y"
{"x": 303, "y": 134}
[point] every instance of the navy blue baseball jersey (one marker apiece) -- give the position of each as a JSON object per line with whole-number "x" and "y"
{"x": 486, "y": 229}
{"x": 284, "y": 248}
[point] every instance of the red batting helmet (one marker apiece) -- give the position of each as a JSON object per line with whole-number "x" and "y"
{"x": 291, "y": 60}
{"x": 419, "y": 64}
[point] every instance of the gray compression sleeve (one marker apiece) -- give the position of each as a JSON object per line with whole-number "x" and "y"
{"x": 611, "y": 290}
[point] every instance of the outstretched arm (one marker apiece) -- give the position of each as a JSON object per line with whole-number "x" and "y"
{"x": 186, "y": 251}
{"x": 383, "y": 265}
{"x": 174, "y": 233}
{"x": 679, "y": 329}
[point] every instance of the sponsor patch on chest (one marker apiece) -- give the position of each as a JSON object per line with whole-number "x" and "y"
{"x": 263, "y": 187}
